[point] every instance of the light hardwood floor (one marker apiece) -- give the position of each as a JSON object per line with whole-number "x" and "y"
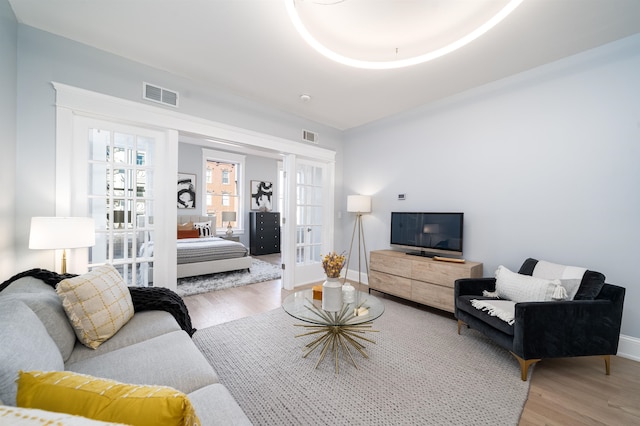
{"x": 572, "y": 391}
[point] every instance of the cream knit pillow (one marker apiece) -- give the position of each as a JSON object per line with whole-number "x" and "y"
{"x": 524, "y": 288}
{"x": 97, "y": 303}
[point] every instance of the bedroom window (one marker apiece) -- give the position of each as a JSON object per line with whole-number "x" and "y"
{"x": 224, "y": 192}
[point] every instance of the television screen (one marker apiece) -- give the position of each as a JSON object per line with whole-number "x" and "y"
{"x": 429, "y": 233}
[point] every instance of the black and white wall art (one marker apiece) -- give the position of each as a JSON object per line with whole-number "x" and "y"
{"x": 261, "y": 195}
{"x": 186, "y": 191}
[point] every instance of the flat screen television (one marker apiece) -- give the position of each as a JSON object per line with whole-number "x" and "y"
{"x": 428, "y": 234}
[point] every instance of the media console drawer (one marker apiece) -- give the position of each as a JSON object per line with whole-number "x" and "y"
{"x": 419, "y": 279}
{"x": 391, "y": 284}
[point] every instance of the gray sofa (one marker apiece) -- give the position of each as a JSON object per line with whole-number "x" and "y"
{"x": 150, "y": 349}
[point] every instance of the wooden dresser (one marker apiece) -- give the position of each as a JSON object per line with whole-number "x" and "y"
{"x": 417, "y": 278}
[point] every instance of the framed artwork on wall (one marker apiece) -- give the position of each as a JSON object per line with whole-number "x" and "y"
{"x": 261, "y": 195}
{"x": 186, "y": 191}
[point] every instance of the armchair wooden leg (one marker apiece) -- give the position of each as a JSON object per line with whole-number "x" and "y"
{"x": 607, "y": 364}
{"x": 524, "y": 366}
{"x": 460, "y": 324}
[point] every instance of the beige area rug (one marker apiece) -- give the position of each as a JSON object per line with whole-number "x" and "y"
{"x": 420, "y": 372}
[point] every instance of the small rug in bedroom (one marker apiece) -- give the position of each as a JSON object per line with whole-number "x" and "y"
{"x": 260, "y": 271}
{"x": 420, "y": 372}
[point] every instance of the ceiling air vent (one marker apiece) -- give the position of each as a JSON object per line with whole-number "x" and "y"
{"x": 159, "y": 94}
{"x": 309, "y": 136}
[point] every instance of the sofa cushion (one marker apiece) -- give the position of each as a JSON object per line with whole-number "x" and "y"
{"x": 464, "y": 304}
{"x": 24, "y": 345}
{"x": 48, "y": 307}
{"x": 591, "y": 282}
{"x": 143, "y": 326}
{"x": 28, "y": 285}
{"x": 17, "y": 416}
{"x": 171, "y": 359}
{"x": 106, "y": 400}
{"x": 97, "y": 303}
{"x": 523, "y": 288}
{"x": 216, "y": 407}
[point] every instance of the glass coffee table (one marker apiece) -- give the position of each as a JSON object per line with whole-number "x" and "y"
{"x": 335, "y": 331}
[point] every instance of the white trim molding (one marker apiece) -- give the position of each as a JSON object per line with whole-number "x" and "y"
{"x": 629, "y": 347}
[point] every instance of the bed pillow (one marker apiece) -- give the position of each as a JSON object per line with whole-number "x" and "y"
{"x": 591, "y": 282}
{"x": 103, "y": 399}
{"x": 204, "y": 229}
{"x": 185, "y": 226}
{"x": 523, "y": 288}
{"x": 97, "y": 303}
{"x": 190, "y": 233}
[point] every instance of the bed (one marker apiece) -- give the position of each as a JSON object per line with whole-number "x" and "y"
{"x": 210, "y": 254}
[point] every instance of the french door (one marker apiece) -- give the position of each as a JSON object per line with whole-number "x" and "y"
{"x": 311, "y": 205}
{"x": 121, "y": 183}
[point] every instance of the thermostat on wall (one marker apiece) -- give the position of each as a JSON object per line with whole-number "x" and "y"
{"x": 402, "y": 197}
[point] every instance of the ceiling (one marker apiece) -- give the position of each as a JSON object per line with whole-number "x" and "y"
{"x": 250, "y": 48}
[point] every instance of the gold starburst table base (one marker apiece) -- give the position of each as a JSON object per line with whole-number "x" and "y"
{"x": 337, "y": 338}
{"x": 337, "y": 331}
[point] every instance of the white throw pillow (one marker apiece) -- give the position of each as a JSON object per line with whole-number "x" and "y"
{"x": 523, "y": 288}
{"x": 204, "y": 228}
{"x": 97, "y": 303}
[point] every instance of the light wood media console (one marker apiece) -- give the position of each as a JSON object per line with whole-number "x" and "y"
{"x": 417, "y": 278}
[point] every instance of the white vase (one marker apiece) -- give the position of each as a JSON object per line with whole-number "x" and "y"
{"x": 348, "y": 293}
{"x": 332, "y": 295}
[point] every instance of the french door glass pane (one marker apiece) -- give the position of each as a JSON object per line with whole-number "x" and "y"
{"x": 309, "y": 213}
{"x": 121, "y": 198}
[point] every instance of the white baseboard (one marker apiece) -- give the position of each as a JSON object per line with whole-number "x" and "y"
{"x": 353, "y": 276}
{"x": 629, "y": 347}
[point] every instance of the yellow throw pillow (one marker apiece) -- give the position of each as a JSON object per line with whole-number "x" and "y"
{"x": 97, "y": 303}
{"x": 103, "y": 399}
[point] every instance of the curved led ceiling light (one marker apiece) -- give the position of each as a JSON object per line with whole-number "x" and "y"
{"x": 397, "y": 63}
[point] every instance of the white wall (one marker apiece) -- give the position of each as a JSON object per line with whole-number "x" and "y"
{"x": 43, "y": 58}
{"x": 545, "y": 164}
{"x": 8, "y": 104}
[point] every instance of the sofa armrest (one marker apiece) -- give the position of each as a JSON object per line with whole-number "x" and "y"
{"x": 566, "y": 328}
{"x": 473, "y": 286}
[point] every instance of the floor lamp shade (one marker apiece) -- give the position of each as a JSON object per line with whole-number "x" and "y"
{"x": 359, "y": 203}
{"x": 55, "y": 233}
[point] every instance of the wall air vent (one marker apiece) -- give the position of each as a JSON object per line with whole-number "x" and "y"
{"x": 159, "y": 94}
{"x": 309, "y": 136}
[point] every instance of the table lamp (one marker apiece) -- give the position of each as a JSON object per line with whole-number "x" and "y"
{"x": 229, "y": 217}
{"x": 55, "y": 233}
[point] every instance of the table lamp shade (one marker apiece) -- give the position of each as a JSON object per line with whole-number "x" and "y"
{"x": 359, "y": 203}
{"x": 61, "y": 232}
{"x": 228, "y": 216}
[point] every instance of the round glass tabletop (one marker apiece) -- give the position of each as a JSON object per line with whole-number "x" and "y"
{"x": 301, "y": 305}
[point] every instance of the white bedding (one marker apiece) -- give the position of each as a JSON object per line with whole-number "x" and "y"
{"x": 195, "y": 250}
{"x": 192, "y": 250}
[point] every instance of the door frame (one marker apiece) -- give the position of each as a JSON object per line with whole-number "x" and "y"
{"x": 73, "y": 101}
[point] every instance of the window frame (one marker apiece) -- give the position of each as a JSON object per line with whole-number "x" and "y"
{"x": 239, "y": 160}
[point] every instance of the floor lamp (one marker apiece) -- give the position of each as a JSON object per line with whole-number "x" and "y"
{"x": 55, "y": 233}
{"x": 358, "y": 204}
